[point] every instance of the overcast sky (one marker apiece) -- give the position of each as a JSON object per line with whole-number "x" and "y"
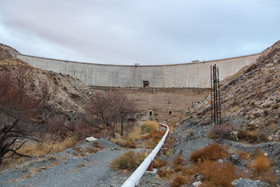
{"x": 139, "y": 31}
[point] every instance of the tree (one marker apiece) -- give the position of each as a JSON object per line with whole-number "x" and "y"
{"x": 111, "y": 108}
{"x": 18, "y": 110}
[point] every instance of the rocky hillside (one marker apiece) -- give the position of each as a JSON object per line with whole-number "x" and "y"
{"x": 69, "y": 95}
{"x": 252, "y": 96}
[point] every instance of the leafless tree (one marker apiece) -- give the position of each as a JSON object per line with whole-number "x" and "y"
{"x": 111, "y": 108}
{"x": 18, "y": 110}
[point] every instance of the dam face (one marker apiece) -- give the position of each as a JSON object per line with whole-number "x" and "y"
{"x": 188, "y": 75}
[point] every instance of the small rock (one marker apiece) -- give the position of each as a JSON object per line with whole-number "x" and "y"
{"x": 90, "y": 139}
{"x": 196, "y": 184}
{"x": 235, "y": 159}
{"x": 247, "y": 183}
{"x": 265, "y": 154}
{"x": 220, "y": 161}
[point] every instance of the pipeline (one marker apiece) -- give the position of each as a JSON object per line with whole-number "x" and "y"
{"x": 133, "y": 180}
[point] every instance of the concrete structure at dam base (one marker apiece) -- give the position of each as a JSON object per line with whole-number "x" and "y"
{"x": 160, "y": 103}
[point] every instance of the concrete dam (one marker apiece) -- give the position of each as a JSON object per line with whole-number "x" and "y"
{"x": 187, "y": 75}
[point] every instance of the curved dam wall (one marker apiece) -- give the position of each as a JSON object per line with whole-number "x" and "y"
{"x": 187, "y": 75}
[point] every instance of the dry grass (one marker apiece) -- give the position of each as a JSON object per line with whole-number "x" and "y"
{"x": 148, "y": 126}
{"x": 129, "y": 160}
{"x": 216, "y": 174}
{"x": 90, "y": 150}
{"x": 190, "y": 171}
{"x": 261, "y": 164}
{"x": 134, "y": 133}
{"x": 168, "y": 152}
{"x": 75, "y": 154}
{"x": 123, "y": 142}
{"x": 158, "y": 163}
{"x": 34, "y": 149}
{"x": 178, "y": 181}
{"x": 211, "y": 152}
{"x": 128, "y": 139}
{"x": 178, "y": 162}
{"x": 78, "y": 149}
{"x": 96, "y": 144}
{"x": 80, "y": 165}
{"x": 155, "y": 135}
{"x": 262, "y": 169}
{"x": 244, "y": 155}
{"x": 165, "y": 173}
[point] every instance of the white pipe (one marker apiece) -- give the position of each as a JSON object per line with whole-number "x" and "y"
{"x": 138, "y": 173}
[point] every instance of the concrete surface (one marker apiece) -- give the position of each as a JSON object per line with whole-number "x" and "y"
{"x": 188, "y": 75}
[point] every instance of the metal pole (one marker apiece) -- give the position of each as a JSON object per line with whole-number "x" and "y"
{"x": 211, "y": 80}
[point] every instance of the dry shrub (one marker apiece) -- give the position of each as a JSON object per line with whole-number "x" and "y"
{"x": 90, "y": 150}
{"x": 216, "y": 174}
{"x": 60, "y": 146}
{"x": 96, "y": 144}
{"x": 178, "y": 162}
{"x": 78, "y": 149}
{"x": 165, "y": 173}
{"x": 134, "y": 133}
{"x": 190, "y": 171}
{"x": 124, "y": 143}
{"x": 261, "y": 164}
{"x": 128, "y": 140}
{"x": 221, "y": 131}
{"x": 148, "y": 126}
{"x": 129, "y": 160}
{"x": 168, "y": 152}
{"x": 80, "y": 165}
{"x": 243, "y": 155}
{"x": 34, "y": 149}
{"x": 262, "y": 169}
{"x": 210, "y": 152}
{"x": 158, "y": 163}
{"x": 178, "y": 181}
{"x": 157, "y": 135}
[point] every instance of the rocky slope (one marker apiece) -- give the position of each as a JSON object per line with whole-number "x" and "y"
{"x": 69, "y": 95}
{"x": 252, "y": 96}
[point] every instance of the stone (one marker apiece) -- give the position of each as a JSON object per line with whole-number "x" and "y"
{"x": 196, "y": 184}
{"x": 247, "y": 183}
{"x": 220, "y": 161}
{"x": 91, "y": 139}
{"x": 235, "y": 159}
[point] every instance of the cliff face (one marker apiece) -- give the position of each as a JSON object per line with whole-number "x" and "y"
{"x": 252, "y": 94}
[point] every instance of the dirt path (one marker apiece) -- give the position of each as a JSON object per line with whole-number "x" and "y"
{"x": 68, "y": 168}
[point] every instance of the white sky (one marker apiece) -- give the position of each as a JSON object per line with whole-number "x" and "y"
{"x": 139, "y": 31}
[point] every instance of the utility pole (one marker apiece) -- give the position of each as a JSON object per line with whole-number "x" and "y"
{"x": 216, "y": 113}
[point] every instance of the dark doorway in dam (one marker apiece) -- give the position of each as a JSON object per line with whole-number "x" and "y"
{"x": 151, "y": 113}
{"x": 170, "y": 112}
{"x": 146, "y": 83}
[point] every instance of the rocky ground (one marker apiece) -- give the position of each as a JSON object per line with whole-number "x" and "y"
{"x": 75, "y": 166}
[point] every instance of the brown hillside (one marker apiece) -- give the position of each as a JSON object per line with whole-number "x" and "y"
{"x": 253, "y": 94}
{"x": 69, "y": 94}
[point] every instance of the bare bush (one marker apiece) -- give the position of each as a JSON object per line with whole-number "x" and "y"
{"x": 222, "y": 131}
{"x": 111, "y": 109}
{"x": 18, "y": 110}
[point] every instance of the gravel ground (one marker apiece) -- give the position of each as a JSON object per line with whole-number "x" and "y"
{"x": 69, "y": 169}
